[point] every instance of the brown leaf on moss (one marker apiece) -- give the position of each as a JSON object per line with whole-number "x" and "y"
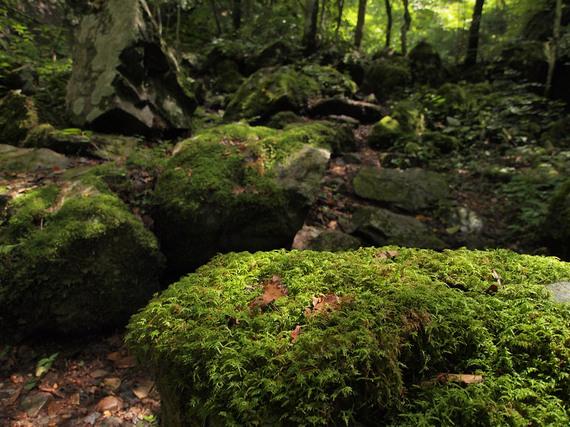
{"x": 273, "y": 291}
{"x": 295, "y": 333}
{"x": 386, "y": 254}
{"x": 325, "y": 303}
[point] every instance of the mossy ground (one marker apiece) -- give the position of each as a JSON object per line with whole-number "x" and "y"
{"x": 396, "y": 319}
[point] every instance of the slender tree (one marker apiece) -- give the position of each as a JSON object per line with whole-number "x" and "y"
{"x": 553, "y": 47}
{"x": 236, "y": 14}
{"x": 473, "y": 42}
{"x": 310, "y": 27}
{"x": 389, "y": 25}
{"x": 405, "y": 28}
{"x": 359, "y": 31}
{"x": 340, "y": 6}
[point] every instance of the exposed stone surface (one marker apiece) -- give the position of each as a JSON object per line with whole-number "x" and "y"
{"x": 16, "y": 159}
{"x": 410, "y": 189}
{"x": 560, "y": 291}
{"x": 382, "y": 227}
{"x": 123, "y": 79}
{"x": 364, "y": 112}
{"x": 316, "y": 239}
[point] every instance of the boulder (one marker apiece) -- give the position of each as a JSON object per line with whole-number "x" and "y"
{"x": 379, "y": 227}
{"x": 123, "y": 79}
{"x": 388, "y": 77}
{"x": 426, "y": 65}
{"x": 385, "y": 133}
{"x": 316, "y": 239}
{"x": 557, "y": 223}
{"x": 18, "y": 160}
{"x": 364, "y": 112}
{"x": 18, "y": 116}
{"x": 385, "y": 336}
{"x": 237, "y": 187}
{"x": 287, "y": 88}
{"x": 74, "y": 260}
{"x": 412, "y": 190}
{"x": 23, "y": 78}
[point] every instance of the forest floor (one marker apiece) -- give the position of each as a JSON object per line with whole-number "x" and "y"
{"x": 92, "y": 382}
{"x": 96, "y": 382}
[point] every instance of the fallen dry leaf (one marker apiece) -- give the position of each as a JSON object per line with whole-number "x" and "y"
{"x": 328, "y": 302}
{"x": 295, "y": 333}
{"x": 273, "y": 291}
{"x": 386, "y": 254}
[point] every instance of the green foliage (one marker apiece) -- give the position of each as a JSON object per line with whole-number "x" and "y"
{"x": 398, "y": 323}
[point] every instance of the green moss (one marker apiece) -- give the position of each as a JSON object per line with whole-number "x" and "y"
{"x": 410, "y": 116}
{"x": 286, "y": 88}
{"x": 388, "y": 77}
{"x": 385, "y": 133}
{"x": 369, "y": 358}
{"x": 78, "y": 260}
{"x": 17, "y": 117}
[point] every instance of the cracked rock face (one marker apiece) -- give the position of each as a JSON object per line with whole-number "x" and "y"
{"x": 123, "y": 79}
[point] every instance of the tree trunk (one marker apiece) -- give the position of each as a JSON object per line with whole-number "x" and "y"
{"x": 405, "y": 28}
{"x": 473, "y": 42}
{"x": 340, "y": 5}
{"x": 389, "y": 29}
{"x": 215, "y": 12}
{"x": 553, "y": 47}
{"x": 359, "y": 31}
{"x": 310, "y": 28}
{"x": 236, "y": 15}
{"x": 323, "y": 15}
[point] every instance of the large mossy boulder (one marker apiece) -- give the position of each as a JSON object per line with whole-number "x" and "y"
{"x": 412, "y": 190}
{"x": 237, "y": 187}
{"x": 287, "y": 88}
{"x": 124, "y": 80}
{"x": 388, "y": 77}
{"x": 426, "y": 65}
{"x": 74, "y": 260}
{"x": 18, "y": 116}
{"x": 378, "y": 336}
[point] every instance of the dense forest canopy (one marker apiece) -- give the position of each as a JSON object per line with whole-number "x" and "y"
{"x": 243, "y": 24}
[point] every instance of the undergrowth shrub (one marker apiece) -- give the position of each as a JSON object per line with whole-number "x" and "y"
{"x": 364, "y": 336}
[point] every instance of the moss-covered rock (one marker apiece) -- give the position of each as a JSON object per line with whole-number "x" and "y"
{"x": 18, "y": 116}
{"x": 287, "y": 88}
{"x": 237, "y": 187}
{"x": 16, "y": 160}
{"x": 411, "y": 189}
{"x": 426, "y": 65}
{"x": 385, "y": 133}
{"x": 388, "y": 336}
{"x": 557, "y": 224}
{"x": 75, "y": 260}
{"x": 387, "y": 77}
{"x": 378, "y": 227}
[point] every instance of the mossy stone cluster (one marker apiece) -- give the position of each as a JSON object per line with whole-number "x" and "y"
{"x": 388, "y": 77}
{"x": 237, "y": 187}
{"x": 361, "y": 338}
{"x": 286, "y": 88}
{"x": 74, "y": 260}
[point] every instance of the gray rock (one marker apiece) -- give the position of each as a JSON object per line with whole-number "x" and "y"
{"x": 30, "y": 159}
{"x": 560, "y": 291}
{"x": 33, "y": 404}
{"x": 123, "y": 78}
{"x": 316, "y": 239}
{"x": 411, "y": 190}
{"x": 381, "y": 227}
{"x": 364, "y": 112}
